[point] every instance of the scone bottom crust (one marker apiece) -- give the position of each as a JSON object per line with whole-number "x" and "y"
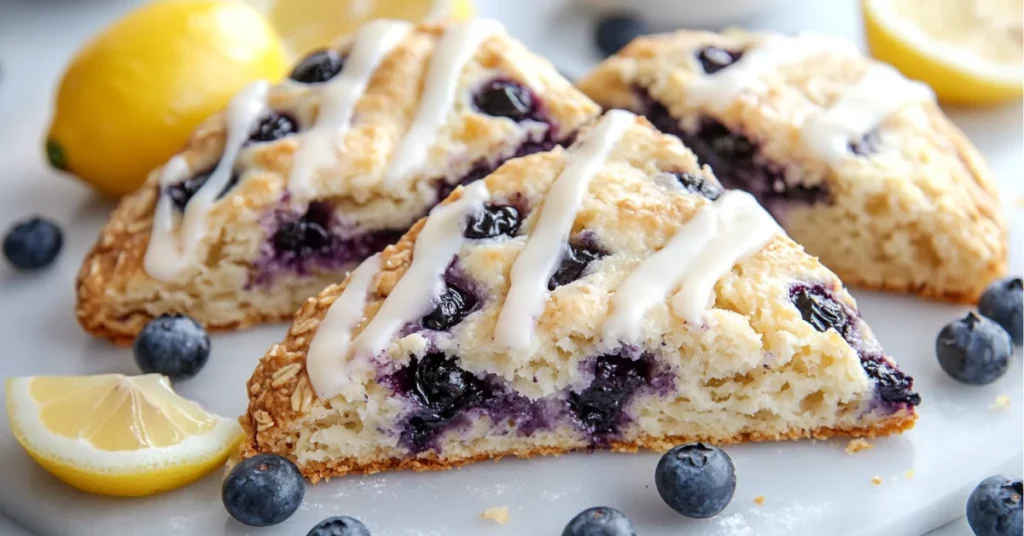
{"x": 445, "y": 405}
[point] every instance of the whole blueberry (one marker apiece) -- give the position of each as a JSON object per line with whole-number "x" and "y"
{"x": 974, "y": 349}
{"x": 696, "y": 480}
{"x": 1003, "y": 302}
{"x": 318, "y": 66}
{"x": 263, "y": 490}
{"x": 340, "y": 526}
{"x": 616, "y": 31}
{"x": 600, "y": 521}
{"x": 33, "y": 243}
{"x": 173, "y": 345}
{"x": 995, "y": 508}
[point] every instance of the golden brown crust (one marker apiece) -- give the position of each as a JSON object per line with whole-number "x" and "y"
{"x": 317, "y": 471}
{"x": 920, "y": 213}
{"x": 116, "y": 297}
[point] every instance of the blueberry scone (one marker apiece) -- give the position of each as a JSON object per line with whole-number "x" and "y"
{"x": 856, "y": 162}
{"x": 608, "y": 295}
{"x": 295, "y": 183}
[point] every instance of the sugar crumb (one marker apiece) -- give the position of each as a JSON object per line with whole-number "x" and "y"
{"x": 876, "y": 480}
{"x": 759, "y": 500}
{"x": 1018, "y": 201}
{"x": 497, "y": 514}
{"x": 909, "y": 474}
{"x": 857, "y": 445}
{"x": 1001, "y": 402}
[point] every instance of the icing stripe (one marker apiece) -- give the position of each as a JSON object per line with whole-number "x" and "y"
{"x": 546, "y": 245}
{"x": 326, "y": 360}
{"x": 859, "y": 109}
{"x": 701, "y": 252}
{"x": 338, "y": 100}
{"x": 716, "y": 91}
{"x": 744, "y": 227}
{"x": 164, "y": 258}
{"x": 423, "y": 282}
{"x": 455, "y": 49}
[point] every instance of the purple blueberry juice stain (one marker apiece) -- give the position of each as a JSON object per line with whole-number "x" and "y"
{"x": 735, "y": 160}
{"x": 315, "y": 240}
{"x": 443, "y": 397}
{"x": 582, "y": 251}
{"x": 820, "y": 309}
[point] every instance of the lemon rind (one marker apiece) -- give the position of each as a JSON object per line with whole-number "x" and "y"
{"x": 945, "y": 54}
{"x": 28, "y": 430}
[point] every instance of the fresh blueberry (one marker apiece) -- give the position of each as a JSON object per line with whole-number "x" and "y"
{"x": 575, "y": 262}
{"x": 600, "y": 521}
{"x": 274, "y": 126}
{"x": 995, "y": 508}
{"x": 974, "y": 349}
{"x": 495, "y": 220}
{"x": 699, "y": 185}
{"x": 714, "y": 59}
{"x": 33, "y": 243}
{"x": 505, "y": 98}
{"x": 819, "y": 309}
{"x": 600, "y": 408}
{"x": 340, "y": 526}
{"x": 1003, "y": 301}
{"x": 696, "y": 480}
{"x": 263, "y": 490}
{"x": 617, "y": 31}
{"x": 453, "y": 307}
{"x": 172, "y": 345}
{"x": 319, "y": 66}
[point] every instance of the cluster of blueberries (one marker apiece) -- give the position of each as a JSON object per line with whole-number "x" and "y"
{"x": 696, "y": 480}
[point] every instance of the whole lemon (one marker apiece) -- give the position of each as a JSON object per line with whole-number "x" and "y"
{"x": 130, "y": 98}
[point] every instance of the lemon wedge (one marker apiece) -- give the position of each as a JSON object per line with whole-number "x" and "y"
{"x": 307, "y": 25}
{"x": 969, "y": 51}
{"x": 117, "y": 435}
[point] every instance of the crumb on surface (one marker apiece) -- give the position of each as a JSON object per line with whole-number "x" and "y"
{"x": 759, "y": 500}
{"x": 1018, "y": 201}
{"x": 497, "y": 514}
{"x": 1001, "y": 402}
{"x": 909, "y": 473}
{"x": 876, "y": 480}
{"x": 857, "y": 445}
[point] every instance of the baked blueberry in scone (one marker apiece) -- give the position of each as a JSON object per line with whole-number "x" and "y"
{"x": 856, "y": 162}
{"x": 295, "y": 183}
{"x": 608, "y": 295}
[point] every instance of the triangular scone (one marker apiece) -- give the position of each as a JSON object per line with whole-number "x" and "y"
{"x": 296, "y": 183}
{"x": 856, "y": 162}
{"x": 676, "y": 312}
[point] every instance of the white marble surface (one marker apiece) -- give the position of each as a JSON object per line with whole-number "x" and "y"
{"x": 810, "y": 489}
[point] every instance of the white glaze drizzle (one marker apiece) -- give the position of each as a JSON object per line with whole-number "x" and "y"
{"x": 165, "y": 258}
{"x": 338, "y": 100}
{"x": 861, "y": 108}
{"x": 423, "y": 282}
{"x": 455, "y": 49}
{"x": 695, "y": 258}
{"x": 744, "y": 227}
{"x": 326, "y": 363}
{"x": 716, "y": 91}
{"x": 547, "y": 243}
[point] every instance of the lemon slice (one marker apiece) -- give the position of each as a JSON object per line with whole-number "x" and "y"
{"x": 969, "y": 51}
{"x": 117, "y": 435}
{"x": 307, "y": 25}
